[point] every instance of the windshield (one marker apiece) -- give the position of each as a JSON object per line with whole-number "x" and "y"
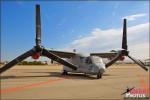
{"x": 88, "y": 60}
{"x": 97, "y": 60}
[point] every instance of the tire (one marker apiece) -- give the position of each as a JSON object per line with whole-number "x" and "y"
{"x": 99, "y": 75}
{"x": 65, "y": 72}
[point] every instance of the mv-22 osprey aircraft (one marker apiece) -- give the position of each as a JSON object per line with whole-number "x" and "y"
{"x": 92, "y": 64}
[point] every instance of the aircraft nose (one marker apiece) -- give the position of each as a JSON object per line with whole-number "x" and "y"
{"x": 102, "y": 70}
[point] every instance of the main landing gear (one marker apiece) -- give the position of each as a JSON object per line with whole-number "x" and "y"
{"x": 65, "y": 72}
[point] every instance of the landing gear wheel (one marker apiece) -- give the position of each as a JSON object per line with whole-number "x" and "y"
{"x": 65, "y": 72}
{"x": 99, "y": 75}
{"x": 85, "y": 74}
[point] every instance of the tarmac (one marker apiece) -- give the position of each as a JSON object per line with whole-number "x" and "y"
{"x": 46, "y": 82}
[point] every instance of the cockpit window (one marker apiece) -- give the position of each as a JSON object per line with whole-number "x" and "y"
{"x": 97, "y": 60}
{"x": 88, "y": 60}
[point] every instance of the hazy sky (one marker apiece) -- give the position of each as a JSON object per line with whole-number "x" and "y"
{"x": 88, "y": 26}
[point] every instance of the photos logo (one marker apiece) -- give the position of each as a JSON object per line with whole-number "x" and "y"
{"x": 137, "y": 93}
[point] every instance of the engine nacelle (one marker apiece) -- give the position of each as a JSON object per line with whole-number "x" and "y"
{"x": 36, "y": 56}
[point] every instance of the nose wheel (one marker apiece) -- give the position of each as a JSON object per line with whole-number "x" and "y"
{"x": 99, "y": 75}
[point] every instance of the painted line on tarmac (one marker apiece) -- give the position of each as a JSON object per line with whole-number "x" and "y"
{"x": 30, "y": 85}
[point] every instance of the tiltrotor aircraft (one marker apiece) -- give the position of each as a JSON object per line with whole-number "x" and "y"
{"x": 92, "y": 64}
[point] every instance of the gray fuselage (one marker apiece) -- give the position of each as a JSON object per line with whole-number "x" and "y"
{"x": 88, "y": 65}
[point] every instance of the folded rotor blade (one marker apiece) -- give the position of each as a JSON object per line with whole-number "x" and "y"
{"x": 17, "y": 60}
{"x": 38, "y": 26}
{"x": 139, "y": 63}
{"x": 124, "y": 37}
{"x": 113, "y": 60}
{"x": 58, "y": 59}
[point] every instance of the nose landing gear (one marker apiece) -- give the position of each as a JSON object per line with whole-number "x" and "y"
{"x": 99, "y": 75}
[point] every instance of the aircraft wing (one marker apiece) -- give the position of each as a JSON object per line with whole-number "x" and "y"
{"x": 63, "y": 54}
{"x": 104, "y": 54}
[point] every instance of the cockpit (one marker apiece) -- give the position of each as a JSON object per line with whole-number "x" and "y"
{"x": 96, "y": 59}
{"x": 88, "y": 60}
{"x": 93, "y": 59}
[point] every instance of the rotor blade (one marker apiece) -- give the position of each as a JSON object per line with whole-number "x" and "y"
{"x": 113, "y": 60}
{"x": 124, "y": 37}
{"x": 139, "y": 63}
{"x": 17, "y": 60}
{"x": 38, "y": 26}
{"x": 58, "y": 59}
